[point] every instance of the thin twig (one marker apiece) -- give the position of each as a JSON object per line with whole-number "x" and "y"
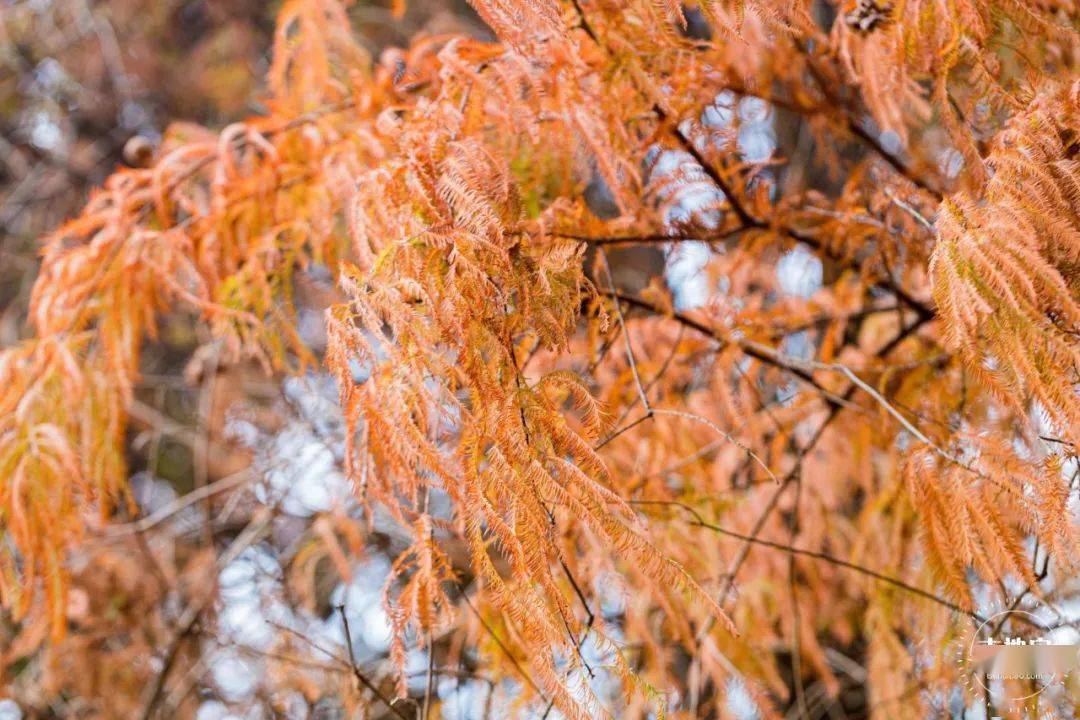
{"x": 626, "y": 334}
{"x": 834, "y": 412}
{"x": 194, "y": 610}
{"x": 502, "y": 646}
{"x": 622, "y": 430}
{"x": 360, "y": 675}
{"x": 909, "y": 209}
{"x": 759, "y": 524}
{"x": 428, "y": 684}
{"x": 796, "y": 615}
{"x": 723, "y": 433}
{"x": 756, "y": 351}
{"x": 310, "y": 643}
{"x": 672, "y": 352}
{"x": 159, "y": 516}
{"x": 699, "y": 521}
{"x": 201, "y": 448}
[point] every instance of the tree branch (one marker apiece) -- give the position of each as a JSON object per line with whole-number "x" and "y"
{"x": 825, "y": 557}
{"x": 359, "y": 675}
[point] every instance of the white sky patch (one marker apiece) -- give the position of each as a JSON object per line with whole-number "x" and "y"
{"x": 305, "y": 473}
{"x": 685, "y": 273}
{"x": 611, "y": 590}
{"x": 44, "y": 133}
{"x": 696, "y": 200}
{"x": 362, "y": 599}
{"x": 235, "y": 675}
{"x": 315, "y": 397}
{"x": 721, "y": 112}
{"x": 757, "y": 139}
{"x": 9, "y": 710}
{"x": 50, "y": 76}
{"x": 311, "y": 326}
{"x": 799, "y": 272}
{"x": 950, "y": 162}
{"x": 798, "y": 345}
{"x": 375, "y": 629}
{"x": 245, "y": 585}
{"x": 739, "y": 701}
{"x": 462, "y": 700}
{"x": 215, "y": 710}
{"x": 890, "y": 140}
{"x": 416, "y": 665}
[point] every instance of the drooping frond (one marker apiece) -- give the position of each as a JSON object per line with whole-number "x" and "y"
{"x": 1005, "y": 265}
{"x": 628, "y": 311}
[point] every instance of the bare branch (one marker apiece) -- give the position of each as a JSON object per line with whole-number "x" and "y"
{"x": 359, "y": 675}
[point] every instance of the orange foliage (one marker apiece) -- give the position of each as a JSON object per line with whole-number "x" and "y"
{"x": 894, "y": 418}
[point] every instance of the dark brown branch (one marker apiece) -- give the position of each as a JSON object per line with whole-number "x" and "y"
{"x": 763, "y": 516}
{"x": 425, "y": 711}
{"x": 584, "y": 635}
{"x": 651, "y": 238}
{"x": 359, "y": 675}
{"x": 502, "y": 646}
{"x": 585, "y": 24}
{"x": 856, "y": 129}
{"x": 171, "y": 655}
{"x": 624, "y": 429}
{"x": 745, "y": 218}
{"x": 888, "y": 284}
{"x": 704, "y": 329}
{"x": 747, "y": 221}
{"x": 824, "y": 557}
{"x": 834, "y": 412}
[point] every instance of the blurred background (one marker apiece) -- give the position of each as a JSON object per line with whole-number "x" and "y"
{"x": 88, "y": 86}
{"x": 79, "y": 79}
